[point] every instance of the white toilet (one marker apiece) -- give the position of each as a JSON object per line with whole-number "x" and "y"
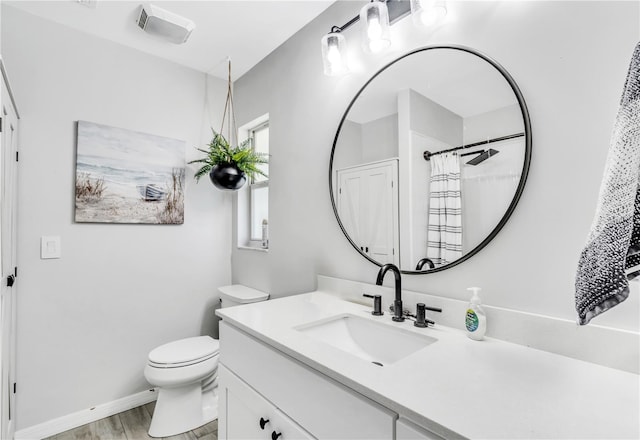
{"x": 184, "y": 372}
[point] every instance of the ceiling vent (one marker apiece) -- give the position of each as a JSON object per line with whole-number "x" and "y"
{"x": 167, "y": 25}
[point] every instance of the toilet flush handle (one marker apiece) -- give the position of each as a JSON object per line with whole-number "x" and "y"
{"x": 275, "y": 435}
{"x": 263, "y": 422}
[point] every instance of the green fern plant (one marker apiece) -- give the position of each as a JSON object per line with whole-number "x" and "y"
{"x": 220, "y": 152}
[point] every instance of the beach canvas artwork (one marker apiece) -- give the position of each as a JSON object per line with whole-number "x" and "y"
{"x": 124, "y": 176}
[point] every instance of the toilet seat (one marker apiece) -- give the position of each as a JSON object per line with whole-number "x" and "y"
{"x": 185, "y": 352}
{"x": 180, "y": 364}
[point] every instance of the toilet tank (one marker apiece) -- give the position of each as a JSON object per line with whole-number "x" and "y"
{"x": 237, "y": 294}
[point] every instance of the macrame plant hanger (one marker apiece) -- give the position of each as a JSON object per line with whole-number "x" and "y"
{"x": 227, "y": 176}
{"x": 228, "y": 108}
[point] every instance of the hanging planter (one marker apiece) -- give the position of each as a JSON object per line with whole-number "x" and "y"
{"x": 227, "y": 176}
{"x": 229, "y": 167}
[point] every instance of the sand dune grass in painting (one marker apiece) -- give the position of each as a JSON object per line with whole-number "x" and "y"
{"x": 88, "y": 189}
{"x": 173, "y": 209}
{"x": 124, "y": 176}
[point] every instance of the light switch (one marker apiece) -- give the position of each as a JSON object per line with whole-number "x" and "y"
{"x": 50, "y": 247}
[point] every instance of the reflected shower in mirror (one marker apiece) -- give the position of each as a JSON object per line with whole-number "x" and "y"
{"x": 430, "y": 159}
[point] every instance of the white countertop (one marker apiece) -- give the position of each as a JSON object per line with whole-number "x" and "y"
{"x": 477, "y": 389}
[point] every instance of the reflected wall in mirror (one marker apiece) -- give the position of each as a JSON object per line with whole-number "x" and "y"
{"x": 430, "y": 159}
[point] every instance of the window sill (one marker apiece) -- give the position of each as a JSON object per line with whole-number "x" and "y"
{"x": 251, "y": 248}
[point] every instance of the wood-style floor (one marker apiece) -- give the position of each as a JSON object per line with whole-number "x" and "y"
{"x": 131, "y": 425}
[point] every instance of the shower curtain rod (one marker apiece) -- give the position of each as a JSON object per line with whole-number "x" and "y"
{"x": 427, "y": 154}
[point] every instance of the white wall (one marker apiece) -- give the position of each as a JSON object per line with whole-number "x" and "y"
{"x": 367, "y": 142}
{"x": 380, "y": 139}
{"x": 346, "y": 157}
{"x": 488, "y": 189}
{"x": 433, "y": 120}
{"x": 570, "y": 60}
{"x": 497, "y": 123}
{"x": 87, "y": 321}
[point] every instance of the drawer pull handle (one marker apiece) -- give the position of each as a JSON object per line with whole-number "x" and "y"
{"x": 274, "y": 435}
{"x": 263, "y": 422}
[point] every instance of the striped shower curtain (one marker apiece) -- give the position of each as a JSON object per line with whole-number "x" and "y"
{"x": 444, "y": 236}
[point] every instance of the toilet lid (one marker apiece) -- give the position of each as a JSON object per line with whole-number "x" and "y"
{"x": 189, "y": 350}
{"x": 242, "y": 294}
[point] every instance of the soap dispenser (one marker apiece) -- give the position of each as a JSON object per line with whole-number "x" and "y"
{"x": 475, "y": 319}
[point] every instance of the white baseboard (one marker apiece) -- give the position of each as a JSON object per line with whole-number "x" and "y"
{"x": 85, "y": 416}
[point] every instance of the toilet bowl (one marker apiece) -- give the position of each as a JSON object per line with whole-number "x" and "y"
{"x": 185, "y": 374}
{"x": 178, "y": 370}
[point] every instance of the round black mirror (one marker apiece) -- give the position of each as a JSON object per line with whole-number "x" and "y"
{"x": 430, "y": 159}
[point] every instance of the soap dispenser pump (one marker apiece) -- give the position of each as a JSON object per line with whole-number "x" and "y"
{"x": 475, "y": 319}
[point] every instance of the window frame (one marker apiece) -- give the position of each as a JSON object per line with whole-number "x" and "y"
{"x": 256, "y": 241}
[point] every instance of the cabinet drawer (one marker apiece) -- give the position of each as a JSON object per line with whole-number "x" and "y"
{"x": 246, "y": 415}
{"x": 323, "y": 407}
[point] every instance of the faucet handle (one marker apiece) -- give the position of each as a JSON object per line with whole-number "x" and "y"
{"x": 421, "y": 315}
{"x": 377, "y": 304}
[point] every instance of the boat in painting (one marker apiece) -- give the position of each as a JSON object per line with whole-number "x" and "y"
{"x": 151, "y": 192}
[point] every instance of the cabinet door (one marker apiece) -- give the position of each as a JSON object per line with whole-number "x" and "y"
{"x": 246, "y": 415}
{"x": 406, "y": 430}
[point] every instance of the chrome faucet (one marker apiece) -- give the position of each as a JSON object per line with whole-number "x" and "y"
{"x": 397, "y": 304}
{"x": 422, "y": 262}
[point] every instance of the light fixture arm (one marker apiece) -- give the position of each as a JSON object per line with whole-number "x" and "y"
{"x": 345, "y": 26}
{"x": 397, "y": 10}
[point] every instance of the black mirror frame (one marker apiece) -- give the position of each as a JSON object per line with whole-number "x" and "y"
{"x": 525, "y": 167}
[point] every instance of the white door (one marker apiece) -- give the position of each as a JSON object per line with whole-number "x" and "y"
{"x": 8, "y": 195}
{"x": 380, "y": 214}
{"x": 349, "y": 205}
{"x": 368, "y": 208}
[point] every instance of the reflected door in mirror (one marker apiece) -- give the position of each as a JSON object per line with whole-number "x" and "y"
{"x": 367, "y": 200}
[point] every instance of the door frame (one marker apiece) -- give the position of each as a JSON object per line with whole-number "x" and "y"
{"x": 8, "y": 251}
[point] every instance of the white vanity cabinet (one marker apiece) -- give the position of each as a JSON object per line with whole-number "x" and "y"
{"x": 256, "y": 379}
{"x": 247, "y": 415}
{"x": 329, "y": 391}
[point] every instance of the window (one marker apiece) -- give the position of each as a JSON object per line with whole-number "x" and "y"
{"x": 259, "y": 189}
{"x": 253, "y": 200}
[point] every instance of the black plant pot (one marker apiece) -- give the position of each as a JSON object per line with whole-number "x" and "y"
{"x": 227, "y": 176}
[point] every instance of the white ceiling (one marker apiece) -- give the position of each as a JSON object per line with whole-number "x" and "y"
{"x": 245, "y": 31}
{"x": 460, "y": 82}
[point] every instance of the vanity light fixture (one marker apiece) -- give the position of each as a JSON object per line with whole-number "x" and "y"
{"x": 376, "y": 17}
{"x": 428, "y": 12}
{"x": 334, "y": 55}
{"x": 375, "y": 29}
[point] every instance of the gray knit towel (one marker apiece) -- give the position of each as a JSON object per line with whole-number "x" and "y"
{"x": 612, "y": 254}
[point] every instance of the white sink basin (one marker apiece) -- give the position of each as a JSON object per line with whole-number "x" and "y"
{"x": 376, "y": 342}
